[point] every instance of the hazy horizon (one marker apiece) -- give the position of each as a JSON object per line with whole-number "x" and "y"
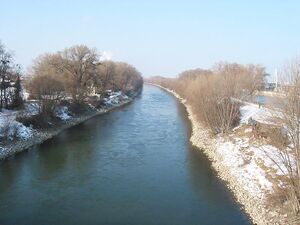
{"x": 158, "y": 38}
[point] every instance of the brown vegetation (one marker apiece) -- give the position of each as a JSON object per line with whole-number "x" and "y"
{"x": 77, "y": 73}
{"x": 289, "y": 151}
{"x": 212, "y": 93}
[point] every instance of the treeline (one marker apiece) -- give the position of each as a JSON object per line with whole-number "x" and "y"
{"x": 10, "y": 81}
{"x": 76, "y": 73}
{"x": 212, "y": 93}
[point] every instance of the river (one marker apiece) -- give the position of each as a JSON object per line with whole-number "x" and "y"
{"x": 134, "y": 165}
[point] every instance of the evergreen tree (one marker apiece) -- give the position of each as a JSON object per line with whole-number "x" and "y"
{"x": 17, "y": 101}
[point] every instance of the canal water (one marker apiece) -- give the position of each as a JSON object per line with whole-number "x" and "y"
{"x": 132, "y": 166}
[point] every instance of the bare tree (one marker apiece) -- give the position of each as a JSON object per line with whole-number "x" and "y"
{"x": 49, "y": 90}
{"x": 126, "y": 75}
{"x": 106, "y": 72}
{"x": 193, "y": 74}
{"x": 290, "y": 119}
{"x": 79, "y": 66}
{"x": 46, "y": 82}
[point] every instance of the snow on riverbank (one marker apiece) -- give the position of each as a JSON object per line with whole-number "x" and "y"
{"x": 260, "y": 114}
{"x": 115, "y": 98}
{"x": 27, "y": 137}
{"x": 63, "y": 113}
{"x": 247, "y": 159}
{"x": 241, "y": 161}
{"x": 11, "y": 129}
{"x": 251, "y": 160}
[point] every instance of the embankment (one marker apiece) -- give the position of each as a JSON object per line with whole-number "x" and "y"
{"x": 255, "y": 206}
{"x": 39, "y": 136}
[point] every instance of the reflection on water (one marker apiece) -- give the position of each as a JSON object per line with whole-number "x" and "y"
{"x": 134, "y": 165}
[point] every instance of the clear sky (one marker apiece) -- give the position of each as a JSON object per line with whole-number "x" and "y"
{"x": 158, "y": 37}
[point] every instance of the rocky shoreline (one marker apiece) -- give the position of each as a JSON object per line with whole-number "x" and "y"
{"x": 38, "y": 137}
{"x": 256, "y": 208}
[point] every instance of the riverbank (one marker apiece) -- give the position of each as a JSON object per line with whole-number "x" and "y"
{"x": 12, "y": 148}
{"x": 251, "y": 194}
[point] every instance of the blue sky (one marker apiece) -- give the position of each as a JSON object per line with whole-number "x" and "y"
{"x": 158, "y": 37}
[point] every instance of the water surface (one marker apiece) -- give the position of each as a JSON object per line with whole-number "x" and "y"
{"x": 134, "y": 165}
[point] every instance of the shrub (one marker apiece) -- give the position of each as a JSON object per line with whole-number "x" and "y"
{"x": 36, "y": 121}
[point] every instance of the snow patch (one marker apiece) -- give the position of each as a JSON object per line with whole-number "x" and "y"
{"x": 12, "y": 129}
{"x": 23, "y": 132}
{"x": 260, "y": 114}
{"x": 115, "y": 98}
{"x": 31, "y": 108}
{"x": 62, "y": 112}
{"x": 3, "y": 151}
{"x": 244, "y": 164}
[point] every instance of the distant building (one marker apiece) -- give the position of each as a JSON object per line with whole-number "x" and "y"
{"x": 271, "y": 81}
{"x": 270, "y": 86}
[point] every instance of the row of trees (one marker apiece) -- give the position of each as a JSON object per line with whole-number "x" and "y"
{"x": 10, "y": 81}
{"x": 212, "y": 93}
{"x": 77, "y": 72}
